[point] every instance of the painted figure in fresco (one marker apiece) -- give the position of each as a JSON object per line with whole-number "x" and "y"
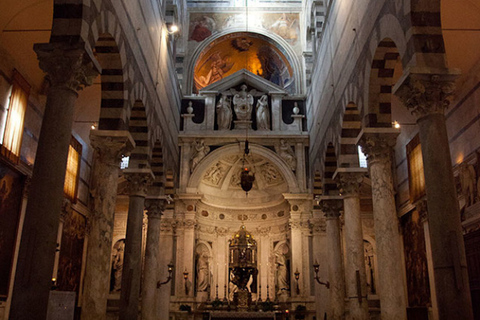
{"x": 218, "y": 67}
{"x": 286, "y": 153}
{"x": 224, "y": 113}
{"x": 202, "y": 28}
{"x": 282, "y": 282}
{"x": 200, "y": 151}
{"x": 117, "y": 265}
{"x": 263, "y": 114}
{"x": 241, "y": 44}
{"x": 273, "y": 68}
{"x": 369, "y": 266}
{"x": 243, "y": 104}
{"x": 203, "y": 274}
{"x": 285, "y": 27}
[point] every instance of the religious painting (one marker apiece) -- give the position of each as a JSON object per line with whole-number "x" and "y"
{"x": 71, "y": 252}
{"x": 117, "y": 266}
{"x": 201, "y": 27}
{"x": 285, "y": 25}
{"x": 233, "y": 52}
{"x": 11, "y": 193}
{"x": 418, "y": 286}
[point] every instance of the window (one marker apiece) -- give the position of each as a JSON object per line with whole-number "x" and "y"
{"x": 416, "y": 177}
{"x": 11, "y": 138}
{"x": 73, "y": 170}
{"x": 124, "y": 163}
{"x": 362, "y": 158}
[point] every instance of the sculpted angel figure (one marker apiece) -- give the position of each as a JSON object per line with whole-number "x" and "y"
{"x": 200, "y": 151}
{"x": 286, "y": 153}
{"x": 224, "y": 113}
{"x": 243, "y": 104}
{"x": 263, "y": 114}
{"x": 203, "y": 273}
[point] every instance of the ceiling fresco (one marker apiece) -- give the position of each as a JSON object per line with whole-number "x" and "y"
{"x": 242, "y": 50}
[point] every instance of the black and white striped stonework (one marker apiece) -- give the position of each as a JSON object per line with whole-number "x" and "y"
{"x": 330, "y": 186}
{"x": 381, "y": 81}
{"x": 351, "y": 128}
{"x": 138, "y": 128}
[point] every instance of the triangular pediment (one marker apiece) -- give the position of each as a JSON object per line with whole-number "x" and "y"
{"x": 243, "y": 77}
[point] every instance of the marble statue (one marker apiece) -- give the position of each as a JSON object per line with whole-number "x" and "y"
{"x": 203, "y": 273}
{"x": 200, "y": 151}
{"x": 282, "y": 281}
{"x": 467, "y": 181}
{"x": 243, "y": 104}
{"x": 287, "y": 154}
{"x": 224, "y": 113}
{"x": 117, "y": 265}
{"x": 263, "y": 113}
{"x": 369, "y": 267}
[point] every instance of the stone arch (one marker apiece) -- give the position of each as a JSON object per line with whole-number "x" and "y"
{"x": 330, "y": 166}
{"x": 206, "y": 162}
{"x": 351, "y": 127}
{"x": 427, "y": 45}
{"x": 138, "y": 127}
{"x": 277, "y": 40}
{"x": 157, "y": 167}
{"x": 70, "y": 21}
{"x": 386, "y": 68}
{"x": 113, "y": 104}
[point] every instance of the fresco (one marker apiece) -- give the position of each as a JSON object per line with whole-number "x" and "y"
{"x": 242, "y": 50}
{"x": 285, "y": 25}
{"x": 11, "y": 191}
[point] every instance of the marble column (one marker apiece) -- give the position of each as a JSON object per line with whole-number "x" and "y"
{"x": 350, "y": 180}
{"x": 377, "y": 144}
{"x": 320, "y": 251}
{"x": 167, "y": 231}
{"x": 150, "y": 273}
{"x": 109, "y": 147}
{"x": 138, "y": 182}
{"x": 297, "y": 252}
{"x": 332, "y": 205}
{"x": 69, "y": 68}
{"x": 427, "y": 95}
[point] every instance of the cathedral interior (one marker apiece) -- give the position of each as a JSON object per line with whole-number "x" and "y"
{"x": 240, "y": 159}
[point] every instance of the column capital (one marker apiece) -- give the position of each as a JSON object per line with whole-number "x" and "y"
{"x": 68, "y": 66}
{"x": 426, "y": 92}
{"x": 318, "y": 225}
{"x": 155, "y": 208}
{"x": 138, "y": 181}
{"x": 377, "y": 143}
{"x": 422, "y": 209}
{"x": 167, "y": 225}
{"x": 349, "y": 180}
{"x": 331, "y": 205}
{"x": 111, "y": 145}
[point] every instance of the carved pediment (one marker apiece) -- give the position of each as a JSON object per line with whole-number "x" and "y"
{"x": 243, "y": 77}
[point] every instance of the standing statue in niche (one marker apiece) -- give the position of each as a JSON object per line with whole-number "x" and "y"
{"x": 369, "y": 267}
{"x": 243, "y": 104}
{"x": 287, "y": 154}
{"x": 224, "y": 113}
{"x": 467, "y": 182}
{"x": 117, "y": 265}
{"x": 263, "y": 114}
{"x": 200, "y": 151}
{"x": 203, "y": 273}
{"x": 282, "y": 280}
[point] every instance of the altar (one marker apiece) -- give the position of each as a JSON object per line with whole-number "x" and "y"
{"x": 239, "y": 315}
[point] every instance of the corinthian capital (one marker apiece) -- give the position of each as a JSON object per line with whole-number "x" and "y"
{"x": 349, "y": 180}
{"x": 138, "y": 181}
{"x": 331, "y": 206}
{"x": 69, "y": 66}
{"x": 154, "y": 208}
{"x": 378, "y": 143}
{"x": 426, "y": 93}
{"x": 111, "y": 145}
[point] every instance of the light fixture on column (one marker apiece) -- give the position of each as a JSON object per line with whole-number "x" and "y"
{"x": 172, "y": 29}
{"x": 185, "y": 278}
{"x": 297, "y": 276}
{"x": 170, "y": 272}
{"x": 316, "y": 268}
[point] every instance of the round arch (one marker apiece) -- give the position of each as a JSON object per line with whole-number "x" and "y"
{"x": 206, "y": 162}
{"x": 278, "y": 41}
